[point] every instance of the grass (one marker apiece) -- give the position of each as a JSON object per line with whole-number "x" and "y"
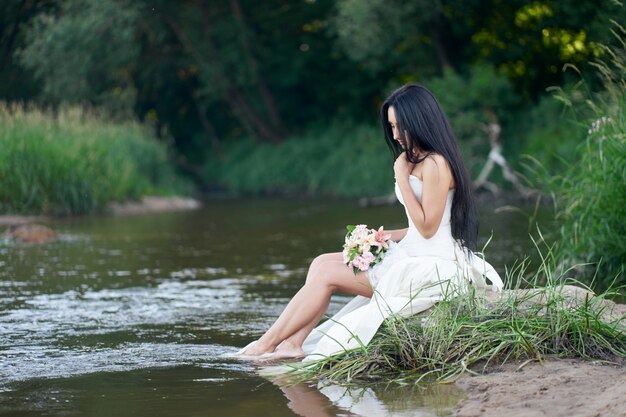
{"x": 591, "y": 193}
{"x": 75, "y": 162}
{"x": 468, "y": 333}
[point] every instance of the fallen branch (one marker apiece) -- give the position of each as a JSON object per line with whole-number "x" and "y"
{"x": 496, "y": 157}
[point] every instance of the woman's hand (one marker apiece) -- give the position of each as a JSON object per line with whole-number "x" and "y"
{"x": 427, "y": 212}
{"x": 402, "y": 168}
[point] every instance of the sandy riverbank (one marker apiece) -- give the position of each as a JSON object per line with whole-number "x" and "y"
{"x": 556, "y": 388}
{"x": 559, "y": 387}
{"x": 148, "y": 204}
{"x": 151, "y": 204}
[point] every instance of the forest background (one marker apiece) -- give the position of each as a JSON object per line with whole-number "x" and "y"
{"x": 110, "y": 100}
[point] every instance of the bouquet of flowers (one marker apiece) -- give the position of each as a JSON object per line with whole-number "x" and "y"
{"x": 364, "y": 247}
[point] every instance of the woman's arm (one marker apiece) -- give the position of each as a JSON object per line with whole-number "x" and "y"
{"x": 436, "y": 181}
{"x": 397, "y": 234}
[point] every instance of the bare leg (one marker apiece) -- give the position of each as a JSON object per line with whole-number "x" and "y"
{"x": 327, "y": 274}
{"x": 306, "y": 401}
{"x": 294, "y": 342}
{"x": 292, "y": 346}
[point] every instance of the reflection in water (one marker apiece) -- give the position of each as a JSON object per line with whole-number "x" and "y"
{"x": 325, "y": 399}
{"x": 308, "y": 401}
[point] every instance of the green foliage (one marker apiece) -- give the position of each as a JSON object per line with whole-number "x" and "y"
{"x": 214, "y": 73}
{"x": 211, "y": 72}
{"x": 377, "y": 33}
{"x": 530, "y": 41}
{"x": 75, "y": 162}
{"x": 16, "y": 82}
{"x": 349, "y": 159}
{"x": 339, "y": 159}
{"x": 68, "y": 53}
{"x": 471, "y": 102}
{"x": 468, "y": 99}
{"x": 549, "y": 135}
{"x": 592, "y": 192}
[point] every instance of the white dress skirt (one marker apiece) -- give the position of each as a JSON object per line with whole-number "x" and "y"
{"x": 414, "y": 274}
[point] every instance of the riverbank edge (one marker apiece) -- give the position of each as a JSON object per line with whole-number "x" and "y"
{"x": 556, "y": 387}
{"x": 483, "y": 197}
{"x": 147, "y": 205}
{"x": 157, "y": 204}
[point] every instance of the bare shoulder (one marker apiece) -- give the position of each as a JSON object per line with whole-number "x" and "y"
{"x": 436, "y": 166}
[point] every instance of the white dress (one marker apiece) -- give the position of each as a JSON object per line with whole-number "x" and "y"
{"x": 414, "y": 274}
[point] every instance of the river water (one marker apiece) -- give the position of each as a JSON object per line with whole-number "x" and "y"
{"x": 129, "y": 316}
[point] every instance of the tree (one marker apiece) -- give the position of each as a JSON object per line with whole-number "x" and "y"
{"x": 85, "y": 51}
{"x": 17, "y": 84}
{"x": 385, "y": 35}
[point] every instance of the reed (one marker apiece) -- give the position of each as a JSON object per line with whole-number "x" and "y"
{"x": 75, "y": 162}
{"x": 591, "y": 193}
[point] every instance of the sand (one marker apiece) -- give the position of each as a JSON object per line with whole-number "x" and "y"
{"x": 147, "y": 204}
{"x": 558, "y": 387}
{"x": 6, "y": 220}
{"x": 153, "y": 204}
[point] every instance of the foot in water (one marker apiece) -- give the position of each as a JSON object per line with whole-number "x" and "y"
{"x": 286, "y": 351}
{"x": 255, "y": 349}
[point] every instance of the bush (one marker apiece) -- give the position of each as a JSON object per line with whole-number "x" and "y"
{"x": 337, "y": 159}
{"x": 550, "y": 136}
{"x": 74, "y": 162}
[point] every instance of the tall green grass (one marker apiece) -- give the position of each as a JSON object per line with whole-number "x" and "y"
{"x": 74, "y": 162}
{"x": 466, "y": 332}
{"x": 591, "y": 194}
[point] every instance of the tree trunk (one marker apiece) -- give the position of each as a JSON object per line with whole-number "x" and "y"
{"x": 264, "y": 91}
{"x": 231, "y": 94}
{"x": 206, "y": 123}
{"x": 440, "y": 50}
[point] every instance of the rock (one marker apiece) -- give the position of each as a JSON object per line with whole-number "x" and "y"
{"x": 30, "y": 233}
{"x": 569, "y": 296}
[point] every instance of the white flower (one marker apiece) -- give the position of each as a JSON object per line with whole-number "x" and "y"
{"x": 597, "y": 124}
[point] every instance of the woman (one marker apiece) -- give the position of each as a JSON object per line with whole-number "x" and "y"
{"x": 430, "y": 258}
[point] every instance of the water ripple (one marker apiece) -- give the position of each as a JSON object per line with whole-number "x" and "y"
{"x": 170, "y": 302}
{"x": 52, "y": 362}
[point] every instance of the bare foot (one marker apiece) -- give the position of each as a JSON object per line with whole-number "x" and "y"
{"x": 286, "y": 351}
{"x": 256, "y": 349}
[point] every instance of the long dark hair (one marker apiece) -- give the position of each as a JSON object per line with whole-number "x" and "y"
{"x": 422, "y": 122}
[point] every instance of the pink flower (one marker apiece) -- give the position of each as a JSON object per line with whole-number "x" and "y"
{"x": 358, "y": 263}
{"x": 368, "y": 257}
{"x": 380, "y": 235}
{"x": 363, "y": 261}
